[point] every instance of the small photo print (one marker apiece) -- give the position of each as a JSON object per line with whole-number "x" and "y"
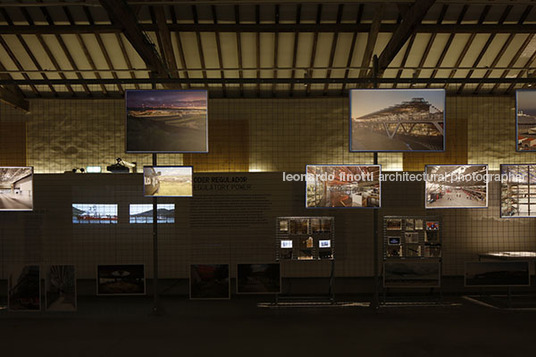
{"x": 393, "y": 224}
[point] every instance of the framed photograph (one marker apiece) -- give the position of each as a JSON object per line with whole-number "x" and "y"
{"x": 398, "y": 120}
{"x": 394, "y": 251}
{"x": 431, "y": 236}
{"x": 456, "y": 186}
{"x": 393, "y": 224}
{"x": 166, "y": 121}
{"x": 24, "y": 288}
{"x": 60, "y": 286}
{"x": 258, "y": 278}
{"x": 410, "y": 224}
{"x": 94, "y": 213}
{"x": 526, "y": 120}
{"x": 167, "y": 181}
{"x": 413, "y": 251}
{"x": 286, "y": 243}
{"x": 299, "y": 226}
{"x": 143, "y": 213}
{"x": 497, "y": 274}
{"x": 411, "y": 274}
{"x": 283, "y": 225}
{"x": 121, "y": 279}
{"x": 333, "y": 186}
{"x": 411, "y": 237}
{"x": 518, "y": 191}
{"x": 209, "y": 282}
{"x": 16, "y": 188}
{"x": 432, "y": 225}
{"x": 432, "y": 251}
{"x": 418, "y": 224}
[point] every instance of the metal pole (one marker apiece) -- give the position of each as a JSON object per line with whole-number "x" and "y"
{"x": 375, "y": 303}
{"x": 157, "y": 310}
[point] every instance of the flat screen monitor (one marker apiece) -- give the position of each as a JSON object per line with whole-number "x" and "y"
{"x": 16, "y": 188}
{"x": 167, "y": 181}
{"x": 286, "y": 243}
{"x": 166, "y": 121}
{"x": 324, "y": 243}
{"x": 456, "y": 186}
{"x": 397, "y": 120}
{"x": 143, "y": 213}
{"x": 334, "y": 186}
{"x": 94, "y": 213}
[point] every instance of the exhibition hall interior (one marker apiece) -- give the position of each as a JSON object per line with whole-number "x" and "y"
{"x": 311, "y": 177}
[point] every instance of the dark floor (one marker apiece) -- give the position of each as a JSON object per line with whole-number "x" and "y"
{"x": 125, "y": 327}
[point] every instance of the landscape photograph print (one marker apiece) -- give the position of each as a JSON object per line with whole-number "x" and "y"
{"x": 166, "y": 121}
{"x": 16, "y": 188}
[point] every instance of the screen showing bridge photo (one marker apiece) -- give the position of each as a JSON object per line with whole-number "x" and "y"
{"x": 16, "y": 188}
{"x": 526, "y": 120}
{"x": 167, "y": 181}
{"x": 173, "y": 121}
{"x": 397, "y": 120}
{"x": 456, "y": 186}
{"x": 91, "y": 213}
{"x": 518, "y": 191}
{"x": 332, "y": 186}
{"x": 143, "y": 213}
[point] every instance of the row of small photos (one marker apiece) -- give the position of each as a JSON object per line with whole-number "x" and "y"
{"x": 207, "y": 281}
{"x": 305, "y": 238}
{"x": 411, "y": 238}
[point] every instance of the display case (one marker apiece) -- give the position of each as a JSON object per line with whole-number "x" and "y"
{"x": 305, "y": 238}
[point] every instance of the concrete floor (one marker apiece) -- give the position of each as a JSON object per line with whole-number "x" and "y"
{"x": 124, "y": 327}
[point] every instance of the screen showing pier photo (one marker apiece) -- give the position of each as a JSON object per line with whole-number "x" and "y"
{"x": 92, "y": 213}
{"x": 16, "y": 188}
{"x": 526, "y": 120}
{"x": 167, "y": 181}
{"x": 143, "y": 213}
{"x": 173, "y": 121}
{"x": 332, "y": 186}
{"x": 456, "y": 186}
{"x": 518, "y": 191}
{"x": 397, "y": 120}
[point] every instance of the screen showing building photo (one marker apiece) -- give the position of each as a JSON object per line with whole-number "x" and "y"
{"x": 456, "y": 186}
{"x": 16, "y": 188}
{"x": 166, "y": 121}
{"x": 258, "y": 279}
{"x": 143, "y": 213}
{"x": 397, "y": 120}
{"x": 60, "y": 286}
{"x": 121, "y": 279}
{"x": 209, "y": 281}
{"x": 411, "y": 274}
{"x": 332, "y": 186}
{"x": 286, "y": 243}
{"x": 497, "y": 274}
{"x": 526, "y": 120}
{"x": 24, "y": 288}
{"x": 91, "y": 213}
{"x": 518, "y": 191}
{"x": 167, "y": 181}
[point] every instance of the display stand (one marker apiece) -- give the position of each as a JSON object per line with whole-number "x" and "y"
{"x": 412, "y": 257}
{"x": 157, "y": 308}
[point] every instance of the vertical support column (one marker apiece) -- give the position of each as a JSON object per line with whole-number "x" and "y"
{"x": 156, "y": 298}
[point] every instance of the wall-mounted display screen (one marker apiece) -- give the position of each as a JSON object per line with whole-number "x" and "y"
{"x": 16, "y": 188}
{"x": 333, "y": 186}
{"x": 167, "y": 181}
{"x": 24, "y": 288}
{"x": 393, "y": 240}
{"x": 397, "y": 120}
{"x": 258, "y": 279}
{"x": 526, "y": 120}
{"x": 286, "y": 243}
{"x": 456, "y": 186}
{"x": 173, "y": 121}
{"x": 518, "y": 191}
{"x": 93, "y": 213}
{"x": 324, "y": 243}
{"x": 121, "y": 279}
{"x": 143, "y": 213}
{"x": 511, "y": 273}
{"x": 209, "y": 281}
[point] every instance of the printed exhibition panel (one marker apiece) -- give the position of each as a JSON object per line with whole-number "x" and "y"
{"x": 258, "y": 278}
{"x": 94, "y": 213}
{"x": 166, "y": 121}
{"x": 497, "y": 274}
{"x": 518, "y": 191}
{"x": 352, "y": 186}
{"x": 143, "y": 213}
{"x": 24, "y": 288}
{"x": 121, "y": 279}
{"x": 411, "y": 274}
{"x": 456, "y": 186}
{"x": 209, "y": 282}
{"x": 60, "y": 286}
{"x": 397, "y": 120}
{"x": 526, "y": 120}
{"x": 167, "y": 181}
{"x": 16, "y": 188}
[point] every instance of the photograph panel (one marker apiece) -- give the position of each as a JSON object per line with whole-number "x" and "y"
{"x": 121, "y": 279}
{"x": 16, "y": 188}
{"x": 258, "y": 278}
{"x": 93, "y": 213}
{"x": 166, "y": 121}
{"x": 60, "y": 286}
{"x": 526, "y": 120}
{"x": 209, "y": 281}
{"x": 480, "y": 274}
{"x": 518, "y": 191}
{"x": 397, "y": 120}
{"x": 167, "y": 181}
{"x": 24, "y": 288}
{"x": 412, "y": 274}
{"x": 332, "y": 186}
{"x": 143, "y": 213}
